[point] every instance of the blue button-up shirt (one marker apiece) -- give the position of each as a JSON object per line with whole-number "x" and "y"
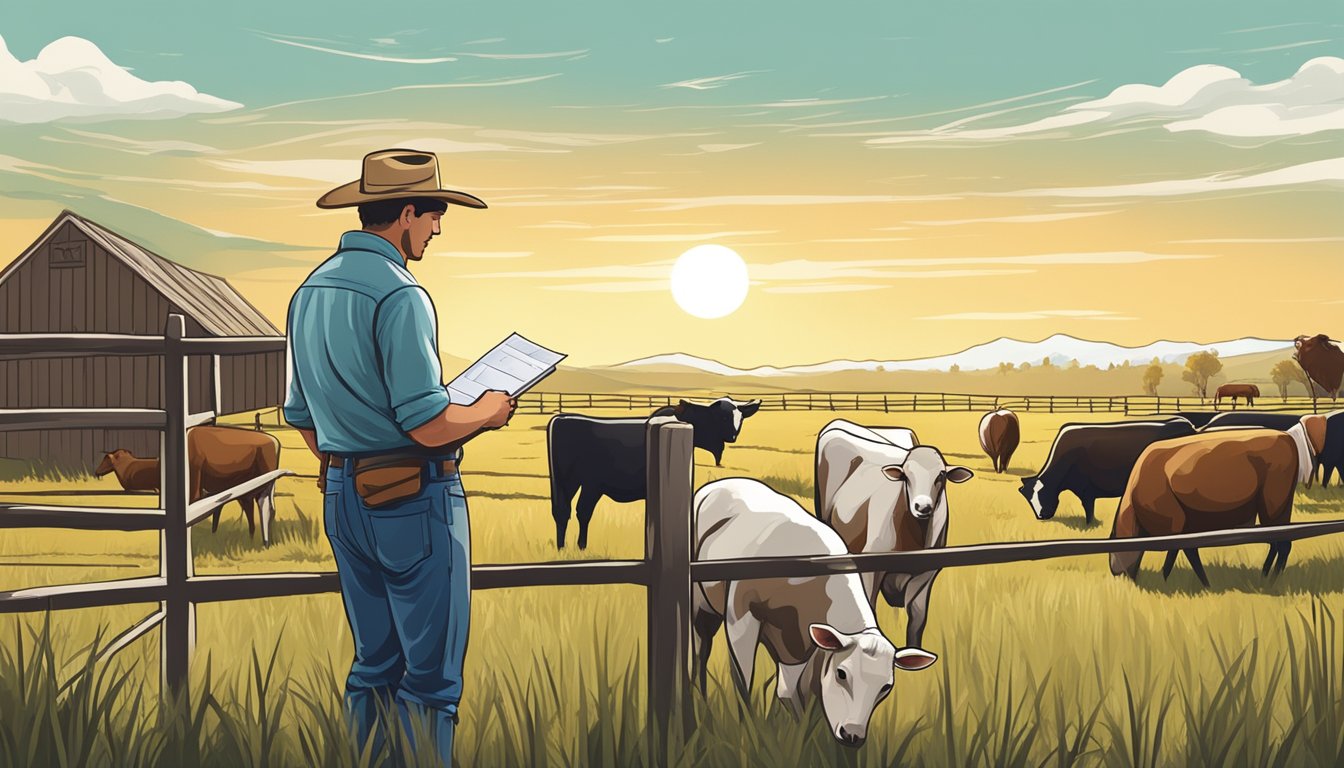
{"x": 363, "y": 351}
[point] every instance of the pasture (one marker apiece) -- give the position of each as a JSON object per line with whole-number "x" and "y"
{"x": 1049, "y": 663}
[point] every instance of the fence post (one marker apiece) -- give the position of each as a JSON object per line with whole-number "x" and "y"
{"x": 667, "y": 544}
{"x": 178, "y": 634}
{"x": 885, "y": 407}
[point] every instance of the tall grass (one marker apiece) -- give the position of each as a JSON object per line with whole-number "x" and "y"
{"x": 537, "y": 715}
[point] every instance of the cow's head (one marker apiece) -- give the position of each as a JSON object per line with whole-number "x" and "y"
{"x": 111, "y": 460}
{"x": 718, "y": 422}
{"x": 857, "y": 673}
{"x": 925, "y": 475}
{"x": 1044, "y": 503}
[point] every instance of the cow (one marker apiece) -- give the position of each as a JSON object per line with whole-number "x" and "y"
{"x": 1280, "y": 421}
{"x": 1196, "y": 418}
{"x": 820, "y": 630}
{"x": 715, "y": 424}
{"x": 606, "y": 457}
{"x": 1247, "y": 392}
{"x": 1323, "y": 363}
{"x": 881, "y": 497}
{"x": 999, "y": 436}
{"x": 1212, "y": 481}
{"x": 1093, "y": 461}
{"x": 218, "y": 458}
{"x": 1331, "y": 459}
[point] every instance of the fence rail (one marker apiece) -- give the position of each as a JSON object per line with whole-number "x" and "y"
{"x": 917, "y": 402}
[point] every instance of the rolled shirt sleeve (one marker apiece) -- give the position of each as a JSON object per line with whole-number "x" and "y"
{"x": 296, "y": 404}
{"x": 408, "y": 347}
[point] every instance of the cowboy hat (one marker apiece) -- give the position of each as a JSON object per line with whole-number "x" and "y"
{"x": 390, "y": 174}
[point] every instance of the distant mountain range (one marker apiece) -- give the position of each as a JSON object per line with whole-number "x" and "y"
{"x": 1060, "y": 348}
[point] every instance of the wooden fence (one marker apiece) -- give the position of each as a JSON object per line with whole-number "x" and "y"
{"x": 667, "y": 570}
{"x": 917, "y": 402}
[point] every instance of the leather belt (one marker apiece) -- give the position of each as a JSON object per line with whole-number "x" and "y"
{"x": 447, "y": 466}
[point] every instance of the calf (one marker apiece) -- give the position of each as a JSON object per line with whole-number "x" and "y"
{"x": 218, "y": 458}
{"x": 715, "y": 424}
{"x": 881, "y": 497}
{"x": 999, "y": 436}
{"x": 1213, "y": 481}
{"x": 1093, "y": 461}
{"x": 606, "y": 457}
{"x": 820, "y": 630}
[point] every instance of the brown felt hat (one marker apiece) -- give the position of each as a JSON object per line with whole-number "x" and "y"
{"x": 392, "y": 173}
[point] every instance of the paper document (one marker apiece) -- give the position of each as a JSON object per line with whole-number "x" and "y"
{"x": 513, "y": 366}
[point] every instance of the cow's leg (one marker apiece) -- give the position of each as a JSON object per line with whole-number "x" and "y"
{"x": 718, "y": 456}
{"x": 561, "y": 498}
{"x": 246, "y": 503}
{"x": 744, "y": 632}
{"x": 706, "y": 624}
{"x": 266, "y": 505}
{"x": 583, "y": 511}
{"x": 1326, "y": 471}
{"x": 789, "y": 690}
{"x": 1196, "y": 565}
{"x": 1284, "y": 548}
{"x": 214, "y": 520}
{"x": 1170, "y": 563}
{"x": 917, "y": 607}
{"x": 1089, "y": 509}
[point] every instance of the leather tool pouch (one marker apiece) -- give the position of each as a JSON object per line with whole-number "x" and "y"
{"x": 383, "y": 480}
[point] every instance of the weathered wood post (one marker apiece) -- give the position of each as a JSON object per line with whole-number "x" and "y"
{"x": 667, "y": 545}
{"x": 178, "y": 635}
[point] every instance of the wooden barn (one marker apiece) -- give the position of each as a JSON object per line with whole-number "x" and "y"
{"x": 81, "y": 277}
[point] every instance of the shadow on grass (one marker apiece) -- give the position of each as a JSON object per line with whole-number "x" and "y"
{"x": 1315, "y": 577}
{"x": 1076, "y": 522}
{"x": 291, "y": 526}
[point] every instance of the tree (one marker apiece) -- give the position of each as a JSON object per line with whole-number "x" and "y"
{"x": 1046, "y": 363}
{"x": 954, "y": 369}
{"x": 1151, "y": 378}
{"x": 1285, "y": 373}
{"x": 1111, "y": 367}
{"x": 1073, "y": 364}
{"x": 1004, "y": 368}
{"x": 1025, "y": 366}
{"x": 1199, "y": 368}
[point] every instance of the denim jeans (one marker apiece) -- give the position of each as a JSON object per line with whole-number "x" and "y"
{"x": 405, "y": 573}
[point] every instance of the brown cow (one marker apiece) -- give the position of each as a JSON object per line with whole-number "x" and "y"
{"x": 1247, "y": 392}
{"x": 1322, "y": 361}
{"x": 218, "y": 458}
{"x": 999, "y": 436}
{"x": 1212, "y": 481}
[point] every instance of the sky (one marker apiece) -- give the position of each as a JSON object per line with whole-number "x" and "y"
{"x": 902, "y": 180}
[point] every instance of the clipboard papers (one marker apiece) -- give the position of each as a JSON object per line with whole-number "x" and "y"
{"x": 515, "y": 365}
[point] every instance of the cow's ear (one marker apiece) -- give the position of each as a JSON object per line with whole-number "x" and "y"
{"x": 682, "y": 406}
{"x": 894, "y": 472}
{"x": 749, "y": 407}
{"x": 959, "y": 474}
{"x": 914, "y": 659}
{"x": 829, "y": 638}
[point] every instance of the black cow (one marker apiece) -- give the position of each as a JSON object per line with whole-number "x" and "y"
{"x": 1331, "y": 457}
{"x": 1197, "y": 418}
{"x": 1093, "y": 461}
{"x": 1258, "y": 419}
{"x": 606, "y": 457}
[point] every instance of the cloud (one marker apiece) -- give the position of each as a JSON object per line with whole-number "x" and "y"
{"x": 824, "y": 288}
{"x": 168, "y": 147}
{"x": 484, "y": 255}
{"x": 676, "y": 238}
{"x": 710, "y": 83}
{"x": 1039, "y": 314}
{"x": 1037, "y": 218}
{"x": 364, "y": 56}
{"x": 632, "y": 286}
{"x": 1266, "y": 240}
{"x": 720, "y": 201}
{"x": 1207, "y": 98}
{"x": 71, "y": 78}
{"x": 1317, "y": 172}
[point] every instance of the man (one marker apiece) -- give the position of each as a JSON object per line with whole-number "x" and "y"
{"x": 366, "y": 392}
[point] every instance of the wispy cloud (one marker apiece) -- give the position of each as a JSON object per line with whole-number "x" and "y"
{"x": 525, "y": 56}
{"x": 1036, "y": 218}
{"x": 365, "y": 56}
{"x": 1265, "y": 240}
{"x": 561, "y": 139}
{"x": 722, "y": 201}
{"x": 1039, "y": 314}
{"x": 168, "y": 147}
{"x": 676, "y": 237}
{"x": 1287, "y": 46}
{"x": 628, "y": 286}
{"x": 824, "y": 288}
{"x": 484, "y": 255}
{"x": 72, "y": 78}
{"x": 495, "y": 83}
{"x": 710, "y": 83}
{"x": 1318, "y": 172}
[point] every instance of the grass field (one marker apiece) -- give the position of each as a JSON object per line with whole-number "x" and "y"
{"x": 1050, "y": 663}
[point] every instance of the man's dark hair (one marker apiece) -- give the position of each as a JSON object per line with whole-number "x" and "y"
{"x": 383, "y": 212}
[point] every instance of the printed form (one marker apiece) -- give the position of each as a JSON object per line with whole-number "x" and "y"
{"x": 515, "y": 365}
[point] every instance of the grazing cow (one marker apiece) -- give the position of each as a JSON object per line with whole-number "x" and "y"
{"x": 218, "y": 458}
{"x": 820, "y": 630}
{"x": 1212, "y": 481}
{"x": 1093, "y": 461}
{"x": 882, "y": 497}
{"x": 606, "y": 457}
{"x": 999, "y": 436}
{"x": 1322, "y": 361}
{"x": 1247, "y": 392}
{"x": 715, "y": 424}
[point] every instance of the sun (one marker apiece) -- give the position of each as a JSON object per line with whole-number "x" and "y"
{"x": 709, "y": 281}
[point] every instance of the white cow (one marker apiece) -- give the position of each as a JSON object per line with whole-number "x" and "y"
{"x": 881, "y": 492}
{"x": 820, "y": 630}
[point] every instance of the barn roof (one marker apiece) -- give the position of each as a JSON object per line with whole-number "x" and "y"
{"x": 208, "y": 299}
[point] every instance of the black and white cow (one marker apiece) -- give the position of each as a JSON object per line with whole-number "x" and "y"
{"x": 595, "y": 457}
{"x": 1093, "y": 461}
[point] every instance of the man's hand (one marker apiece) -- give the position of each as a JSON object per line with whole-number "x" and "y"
{"x": 496, "y": 408}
